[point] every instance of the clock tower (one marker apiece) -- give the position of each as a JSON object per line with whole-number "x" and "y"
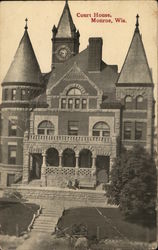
{"x": 65, "y": 40}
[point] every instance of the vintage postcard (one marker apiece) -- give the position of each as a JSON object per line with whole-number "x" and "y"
{"x": 78, "y": 125}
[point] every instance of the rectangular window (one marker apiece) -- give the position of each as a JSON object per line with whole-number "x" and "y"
{"x": 63, "y": 103}
{"x": 138, "y": 131}
{"x": 73, "y": 127}
{"x": 13, "y": 94}
{"x": 5, "y": 94}
{"x": 96, "y": 133}
{"x": 106, "y": 133}
{"x": 70, "y": 103}
{"x": 84, "y": 104}
{"x": 12, "y": 154}
{"x": 12, "y": 127}
{"x": 10, "y": 179}
{"x": 40, "y": 131}
{"x": 23, "y": 94}
{"x": 77, "y": 103}
{"x": 127, "y": 130}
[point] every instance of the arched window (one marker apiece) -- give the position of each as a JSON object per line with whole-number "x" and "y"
{"x": 74, "y": 98}
{"x": 128, "y": 102}
{"x": 139, "y": 102}
{"x": 45, "y": 128}
{"x": 74, "y": 91}
{"x": 101, "y": 129}
{"x": 128, "y": 98}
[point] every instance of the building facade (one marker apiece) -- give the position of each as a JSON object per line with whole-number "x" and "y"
{"x": 68, "y": 124}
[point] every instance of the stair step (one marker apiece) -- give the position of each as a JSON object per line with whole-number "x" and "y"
{"x": 45, "y": 222}
{"x": 44, "y": 226}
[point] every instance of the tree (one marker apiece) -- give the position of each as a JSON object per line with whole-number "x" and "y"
{"x": 133, "y": 182}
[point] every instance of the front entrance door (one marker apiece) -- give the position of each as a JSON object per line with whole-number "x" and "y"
{"x": 102, "y": 169}
{"x": 36, "y": 166}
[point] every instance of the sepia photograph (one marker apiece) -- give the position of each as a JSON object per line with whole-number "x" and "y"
{"x": 78, "y": 125}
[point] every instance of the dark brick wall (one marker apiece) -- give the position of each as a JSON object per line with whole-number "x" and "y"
{"x": 55, "y": 102}
{"x": 95, "y": 54}
{"x": 92, "y": 103}
{"x": 82, "y": 118}
{"x": 135, "y": 115}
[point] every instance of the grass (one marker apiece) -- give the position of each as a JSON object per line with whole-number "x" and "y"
{"x": 15, "y": 216}
{"x": 111, "y": 224}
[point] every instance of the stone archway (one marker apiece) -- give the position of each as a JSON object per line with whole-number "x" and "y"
{"x": 52, "y": 157}
{"x": 85, "y": 158}
{"x": 68, "y": 159}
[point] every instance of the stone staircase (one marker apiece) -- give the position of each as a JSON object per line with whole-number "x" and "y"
{"x": 47, "y": 220}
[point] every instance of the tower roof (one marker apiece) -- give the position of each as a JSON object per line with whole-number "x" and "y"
{"x": 135, "y": 68}
{"x": 24, "y": 67}
{"x": 65, "y": 25}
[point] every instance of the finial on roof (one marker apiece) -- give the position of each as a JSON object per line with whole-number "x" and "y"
{"x": 26, "y": 27}
{"x": 137, "y": 22}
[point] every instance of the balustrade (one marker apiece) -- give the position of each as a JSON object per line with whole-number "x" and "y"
{"x": 67, "y": 171}
{"x": 70, "y": 138}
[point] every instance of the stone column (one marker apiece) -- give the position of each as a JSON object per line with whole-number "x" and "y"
{"x": 77, "y": 166}
{"x": 26, "y": 160}
{"x": 60, "y": 160}
{"x": 93, "y": 165}
{"x": 43, "y": 170}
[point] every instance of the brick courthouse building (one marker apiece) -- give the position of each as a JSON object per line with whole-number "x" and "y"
{"x": 68, "y": 124}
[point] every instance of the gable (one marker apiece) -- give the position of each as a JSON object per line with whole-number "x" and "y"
{"x": 74, "y": 78}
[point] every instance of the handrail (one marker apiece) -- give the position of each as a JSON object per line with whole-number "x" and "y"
{"x": 35, "y": 215}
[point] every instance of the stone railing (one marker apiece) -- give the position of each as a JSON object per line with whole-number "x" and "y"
{"x": 37, "y": 214}
{"x": 60, "y": 176}
{"x": 69, "y": 138}
{"x": 69, "y": 171}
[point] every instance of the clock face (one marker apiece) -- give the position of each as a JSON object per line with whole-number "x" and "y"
{"x": 63, "y": 53}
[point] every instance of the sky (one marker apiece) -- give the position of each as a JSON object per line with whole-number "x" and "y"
{"x": 43, "y": 15}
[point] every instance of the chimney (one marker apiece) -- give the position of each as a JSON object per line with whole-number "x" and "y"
{"x": 95, "y": 54}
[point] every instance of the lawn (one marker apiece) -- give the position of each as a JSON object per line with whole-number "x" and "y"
{"x": 108, "y": 225}
{"x": 15, "y": 216}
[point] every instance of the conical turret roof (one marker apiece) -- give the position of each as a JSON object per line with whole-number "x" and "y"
{"x": 65, "y": 25}
{"x": 135, "y": 68}
{"x": 25, "y": 67}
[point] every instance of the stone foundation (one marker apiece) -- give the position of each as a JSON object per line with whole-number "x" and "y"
{"x": 66, "y": 198}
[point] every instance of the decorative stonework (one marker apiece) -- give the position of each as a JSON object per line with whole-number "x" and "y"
{"x": 74, "y": 85}
{"x": 133, "y": 91}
